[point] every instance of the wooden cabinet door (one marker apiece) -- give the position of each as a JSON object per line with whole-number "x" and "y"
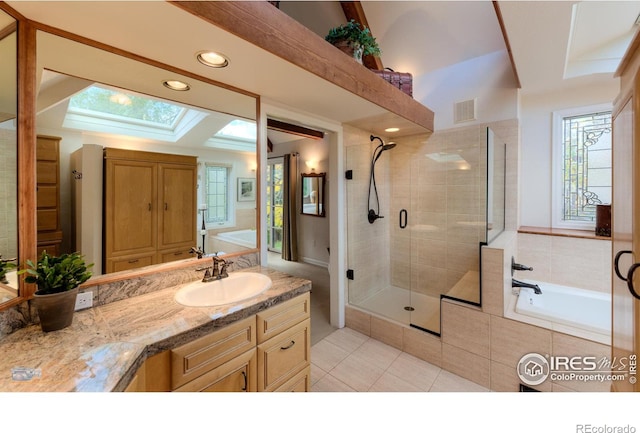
{"x": 625, "y": 239}
{"x": 237, "y": 375}
{"x": 131, "y": 212}
{"x": 177, "y": 205}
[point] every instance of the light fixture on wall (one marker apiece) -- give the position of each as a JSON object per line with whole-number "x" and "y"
{"x": 212, "y": 59}
{"x": 177, "y": 85}
{"x": 392, "y": 130}
{"x": 311, "y": 164}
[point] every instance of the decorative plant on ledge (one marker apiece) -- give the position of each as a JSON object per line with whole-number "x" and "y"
{"x": 58, "y": 279}
{"x": 355, "y": 40}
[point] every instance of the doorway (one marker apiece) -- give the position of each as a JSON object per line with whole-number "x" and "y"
{"x": 275, "y": 188}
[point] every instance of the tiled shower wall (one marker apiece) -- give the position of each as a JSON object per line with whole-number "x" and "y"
{"x": 368, "y": 249}
{"x": 8, "y": 191}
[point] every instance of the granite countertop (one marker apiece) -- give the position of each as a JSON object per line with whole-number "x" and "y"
{"x": 105, "y": 345}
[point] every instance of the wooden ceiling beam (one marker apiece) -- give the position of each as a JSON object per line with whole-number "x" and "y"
{"x": 289, "y": 128}
{"x": 496, "y": 7}
{"x": 353, "y": 10}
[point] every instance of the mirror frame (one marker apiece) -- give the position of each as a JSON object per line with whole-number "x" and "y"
{"x": 26, "y": 137}
{"x": 321, "y": 178}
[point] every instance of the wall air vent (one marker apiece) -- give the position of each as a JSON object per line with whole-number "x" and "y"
{"x": 465, "y": 111}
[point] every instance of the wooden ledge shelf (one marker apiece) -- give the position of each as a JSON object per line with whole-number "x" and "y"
{"x": 266, "y": 26}
{"x": 569, "y": 233}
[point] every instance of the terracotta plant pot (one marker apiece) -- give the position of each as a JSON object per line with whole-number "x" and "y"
{"x": 349, "y": 49}
{"x": 56, "y": 310}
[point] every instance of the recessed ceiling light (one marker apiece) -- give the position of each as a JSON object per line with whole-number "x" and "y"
{"x": 212, "y": 59}
{"x": 180, "y": 86}
{"x": 392, "y": 130}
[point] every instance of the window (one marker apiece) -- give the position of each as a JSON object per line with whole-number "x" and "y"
{"x": 217, "y": 194}
{"x": 582, "y": 166}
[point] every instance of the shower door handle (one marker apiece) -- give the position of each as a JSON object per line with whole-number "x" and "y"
{"x": 403, "y": 218}
{"x": 615, "y": 263}
{"x": 632, "y": 269}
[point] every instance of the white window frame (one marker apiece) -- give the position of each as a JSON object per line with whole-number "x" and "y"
{"x": 231, "y": 191}
{"x": 557, "y": 182}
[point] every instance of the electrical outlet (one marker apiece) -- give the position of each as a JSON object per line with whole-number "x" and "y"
{"x": 84, "y": 300}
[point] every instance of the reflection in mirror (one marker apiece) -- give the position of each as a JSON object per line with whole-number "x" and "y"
{"x": 8, "y": 158}
{"x": 167, "y": 161}
{"x": 313, "y": 194}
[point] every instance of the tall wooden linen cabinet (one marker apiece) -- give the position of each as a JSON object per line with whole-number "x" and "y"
{"x": 48, "y": 194}
{"x": 625, "y": 326}
{"x": 149, "y": 208}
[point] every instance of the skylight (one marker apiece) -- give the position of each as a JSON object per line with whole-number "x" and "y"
{"x": 239, "y": 130}
{"x": 126, "y": 107}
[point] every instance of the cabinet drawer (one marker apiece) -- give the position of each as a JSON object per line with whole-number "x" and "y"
{"x": 282, "y": 357}
{"x": 47, "y": 219}
{"x": 301, "y": 382}
{"x": 206, "y": 353}
{"x": 273, "y": 321}
{"x": 128, "y": 263}
{"x": 172, "y": 255}
{"x": 237, "y": 375}
{"x": 47, "y": 196}
{"x": 46, "y": 172}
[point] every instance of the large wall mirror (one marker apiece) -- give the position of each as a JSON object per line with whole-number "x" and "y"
{"x": 312, "y": 190}
{"x": 8, "y": 158}
{"x": 89, "y": 99}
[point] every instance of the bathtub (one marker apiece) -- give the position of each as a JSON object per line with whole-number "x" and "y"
{"x": 579, "y": 312}
{"x": 234, "y": 241}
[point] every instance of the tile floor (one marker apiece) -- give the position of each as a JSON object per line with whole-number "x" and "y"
{"x": 348, "y": 361}
{"x": 344, "y": 360}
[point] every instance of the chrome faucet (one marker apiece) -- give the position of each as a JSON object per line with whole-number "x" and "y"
{"x": 518, "y": 283}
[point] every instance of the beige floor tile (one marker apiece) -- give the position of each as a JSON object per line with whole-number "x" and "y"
{"x": 347, "y": 339}
{"x": 377, "y": 354}
{"x": 316, "y": 373}
{"x": 449, "y": 382}
{"x": 391, "y": 383}
{"x": 330, "y": 384}
{"x": 415, "y": 371}
{"x": 357, "y": 372}
{"x": 327, "y": 355}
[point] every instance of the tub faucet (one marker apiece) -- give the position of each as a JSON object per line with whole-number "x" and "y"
{"x": 518, "y": 283}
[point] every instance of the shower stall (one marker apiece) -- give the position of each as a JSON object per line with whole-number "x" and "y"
{"x": 418, "y": 211}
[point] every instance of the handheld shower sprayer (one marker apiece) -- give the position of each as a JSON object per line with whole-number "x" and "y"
{"x": 373, "y": 215}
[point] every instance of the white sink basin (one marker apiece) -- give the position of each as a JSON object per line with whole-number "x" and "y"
{"x": 238, "y": 286}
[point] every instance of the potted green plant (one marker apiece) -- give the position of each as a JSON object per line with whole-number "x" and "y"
{"x": 354, "y": 40}
{"x": 5, "y": 266}
{"x": 58, "y": 279}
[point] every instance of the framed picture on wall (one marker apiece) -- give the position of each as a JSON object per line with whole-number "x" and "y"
{"x": 246, "y": 189}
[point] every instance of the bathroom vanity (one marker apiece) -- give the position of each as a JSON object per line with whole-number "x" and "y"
{"x": 151, "y": 343}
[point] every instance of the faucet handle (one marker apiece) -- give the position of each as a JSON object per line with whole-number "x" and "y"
{"x": 518, "y": 267}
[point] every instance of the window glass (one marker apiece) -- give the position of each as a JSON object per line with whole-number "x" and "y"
{"x": 217, "y": 194}
{"x": 586, "y": 165}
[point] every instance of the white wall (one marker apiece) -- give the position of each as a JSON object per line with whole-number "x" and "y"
{"x": 488, "y": 78}
{"x": 536, "y": 144}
